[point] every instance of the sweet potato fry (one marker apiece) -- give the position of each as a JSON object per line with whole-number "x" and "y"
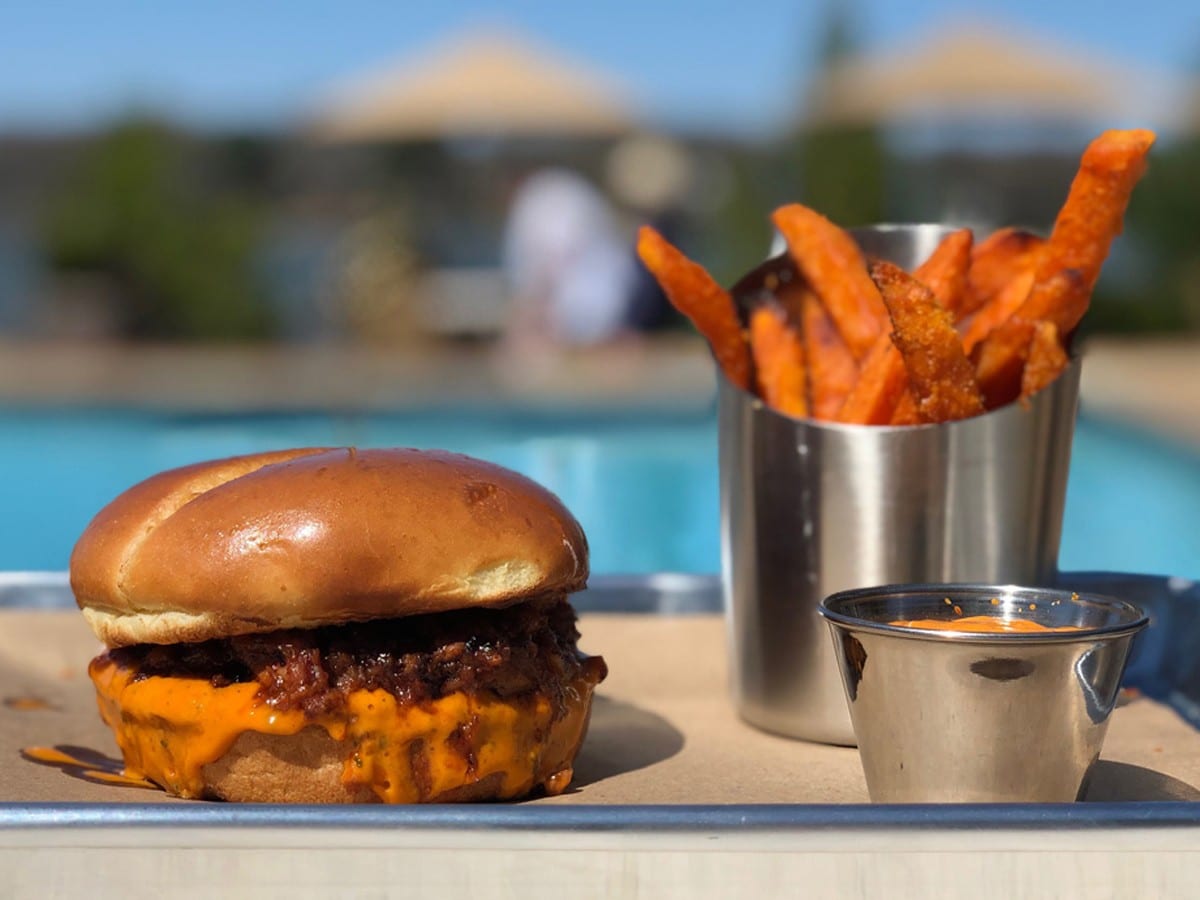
{"x": 1086, "y": 226}
{"x": 881, "y": 384}
{"x": 1000, "y": 360}
{"x": 778, "y": 354}
{"x": 946, "y": 271}
{"x": 940, "y": 373}
{"x": 832, "y": 370}
{"x": 1047, "y": 359}
{"x": 695, "y": 294}
{"x": 998, "y": 310}
{"x": 1069, "y": 264}
{"x": 883, "y": 381}
{"x": 994, "y": 262}
{"x": 834, "y": 268}
{"x": 906, "y": 411}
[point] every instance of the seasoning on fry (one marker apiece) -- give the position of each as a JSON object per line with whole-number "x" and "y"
{"x": 833, "y": 266}
{"x": 778, "y": 361}
{"x": 883, "y": 381}
{"x": 940, "y": 374}
{"x": 694, "y": 293}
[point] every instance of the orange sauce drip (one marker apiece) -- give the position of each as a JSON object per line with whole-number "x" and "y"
{"x": 118, "y": 778}
{"x": 169, "y": 729}
{"x": 26, "y": 704}
{"x": 52, "y": 756}
{"x": 981, "y": 625}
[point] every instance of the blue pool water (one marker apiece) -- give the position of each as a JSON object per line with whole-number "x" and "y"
{"x": 644, "y": 487}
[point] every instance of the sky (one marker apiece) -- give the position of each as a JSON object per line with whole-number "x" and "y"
{"x": 706, "y": 65}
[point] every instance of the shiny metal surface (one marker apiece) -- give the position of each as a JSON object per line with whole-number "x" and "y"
{"x": 703, "y": 819}
{"x": 948, "y": 717}
{"x": 811, "y": 508}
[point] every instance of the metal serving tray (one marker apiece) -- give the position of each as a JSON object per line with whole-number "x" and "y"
{"x": 1164, "y": 666}
{"x": 594, "y": 849}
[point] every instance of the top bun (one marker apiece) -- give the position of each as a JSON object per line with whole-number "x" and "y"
{"x": 311, "y": 537}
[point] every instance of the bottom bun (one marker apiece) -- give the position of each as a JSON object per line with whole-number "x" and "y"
{"x": 307, "y": 768}
{"x": 198, "y": 740}
{"x": 269, "y": 768}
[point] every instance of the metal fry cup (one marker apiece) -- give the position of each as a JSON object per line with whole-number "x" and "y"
{"x": 811, "y": 508}
{"x": 954, "y": 716}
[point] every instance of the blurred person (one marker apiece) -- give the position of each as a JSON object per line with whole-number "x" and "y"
{"x": 568, "y": 266}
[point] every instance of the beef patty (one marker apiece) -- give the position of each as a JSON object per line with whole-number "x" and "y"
{"x": 523, "y": 649}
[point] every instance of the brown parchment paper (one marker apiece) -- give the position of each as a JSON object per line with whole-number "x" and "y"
{"x": 663, "y": 728}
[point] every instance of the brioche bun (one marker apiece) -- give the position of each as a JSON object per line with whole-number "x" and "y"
{"x": 312, "y": 537}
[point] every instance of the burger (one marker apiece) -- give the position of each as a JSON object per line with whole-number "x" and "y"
{"x": 337, "y": 626}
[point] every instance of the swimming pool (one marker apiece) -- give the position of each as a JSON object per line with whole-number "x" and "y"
{"x": 644, "y": 486}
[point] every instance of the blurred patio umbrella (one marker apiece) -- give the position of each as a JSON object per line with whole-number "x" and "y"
{"x": 977, "y": 70}
{"x": 486, "y": 84}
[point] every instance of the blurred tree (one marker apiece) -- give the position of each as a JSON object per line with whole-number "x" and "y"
{"x": 838, "y": 170}
{"x": 246, "y": 164}
{"x": 737, "y": 235}
{"x": 841, "y": 167}
{"x": 842, "y": 171}
{"x": 178, "y": 254}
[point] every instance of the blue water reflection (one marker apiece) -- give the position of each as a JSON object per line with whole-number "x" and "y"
{"x": 644, "y": 487}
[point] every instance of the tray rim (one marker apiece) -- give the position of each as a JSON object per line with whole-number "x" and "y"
{"x": 606, "y": 818}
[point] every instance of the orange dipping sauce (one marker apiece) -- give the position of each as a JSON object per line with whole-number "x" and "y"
{"x": 981, "y": 625}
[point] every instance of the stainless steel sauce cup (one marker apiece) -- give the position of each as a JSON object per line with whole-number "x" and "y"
{"x": 811, "y": 508}
{"x": 944, "y": 716}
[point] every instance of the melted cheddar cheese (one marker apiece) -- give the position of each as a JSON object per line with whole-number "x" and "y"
{"x": 169, "y": 729}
